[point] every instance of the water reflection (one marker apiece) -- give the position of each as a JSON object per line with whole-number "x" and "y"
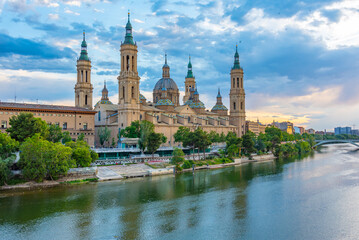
{"x": 229, "y": 203}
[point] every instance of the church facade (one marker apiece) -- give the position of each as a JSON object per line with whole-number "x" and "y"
{"x": 165, "y": 111}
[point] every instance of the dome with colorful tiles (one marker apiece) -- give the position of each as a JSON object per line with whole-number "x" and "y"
{"x": 103, "y": 102}
{"x": 193, "y": 104}
{"x": 219, "y": 107}
{"x": 164, "y": 102}
{"x": 142, "y": 98}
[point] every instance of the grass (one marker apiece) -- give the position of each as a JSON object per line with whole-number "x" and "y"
{"x": 14, "y": 181}
{"x": 81, "y": 181}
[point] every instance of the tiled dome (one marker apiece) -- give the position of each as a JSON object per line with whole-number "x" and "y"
{"x": 163, "y": 102}
{"x": 103, "y": 102}
{"x": 220, "y": 107}
{"x": 192, "y": 104}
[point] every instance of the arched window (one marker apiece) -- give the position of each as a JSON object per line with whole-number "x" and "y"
{"x": 123, "y": 63}
{"x": 82, "y": 75}
{"x": 241, "y": 105}
{"x": 86, "y": 75}
{"x": 234, "y": 105}
{"x": 133, "y": 63}
{"x": 127, "y": 62}
{"x": 123, "y": 92}
{"x": 234, "y": 83}
{"x": 140, "y": 117}
{"x": 99, "y": 116}
{"x": 85, "y": 99}
{"x": 237, "y": 82}
{"x": 241, "y": 82}
{"x": 133, "y": 92}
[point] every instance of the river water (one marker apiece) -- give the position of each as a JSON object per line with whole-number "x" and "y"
{"x": 312, "y": 198}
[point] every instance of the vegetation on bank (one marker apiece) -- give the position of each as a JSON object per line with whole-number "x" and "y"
{"x": 281, "y": 144}
{"x": 149, "y": 141}
{"x": 45, "y": 152}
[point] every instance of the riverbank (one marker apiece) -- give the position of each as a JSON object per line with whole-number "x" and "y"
{"x": 120, "y": 172}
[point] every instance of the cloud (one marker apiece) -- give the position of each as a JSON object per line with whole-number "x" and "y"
{"x": 71, "y": 12}
{"x": 53, "y": 16}
{"x": 21, "y": 46}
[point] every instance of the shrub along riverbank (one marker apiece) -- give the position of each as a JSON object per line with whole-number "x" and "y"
{"x": 42, "y": 155}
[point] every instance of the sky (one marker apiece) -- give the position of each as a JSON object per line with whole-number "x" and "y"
{"x": 300, "y": 58}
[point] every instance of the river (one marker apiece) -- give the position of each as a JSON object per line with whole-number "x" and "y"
{"x": 316, "y": 197}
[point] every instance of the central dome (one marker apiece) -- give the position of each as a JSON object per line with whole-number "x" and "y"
{"x": 167, "y": 83}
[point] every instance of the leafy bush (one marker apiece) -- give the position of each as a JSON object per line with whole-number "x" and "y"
{"x": 5, "y": 171}
{"x": 177, "y": 156}
{"x": 7, "y": 146}
{"x": 40, "y": 159}
{"x": 82, "y": 153}
{"x": 187, "y": 164}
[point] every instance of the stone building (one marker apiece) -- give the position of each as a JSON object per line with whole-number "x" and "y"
{"x": 255, "y": 127}
{"x": 166, "y": 112}
{"x": 75, "y": 120}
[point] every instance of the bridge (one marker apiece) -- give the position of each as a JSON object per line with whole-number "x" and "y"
{"x": 323, "y": 142}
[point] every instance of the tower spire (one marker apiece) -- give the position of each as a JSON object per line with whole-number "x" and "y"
{"x": 128, "y": 36}
{"x": 84, "y": 55}
{"x": 189, "y": 71}
{"x": 236, "y": 59}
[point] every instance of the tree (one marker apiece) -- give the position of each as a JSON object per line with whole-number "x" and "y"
{"x": 81, "y": 137}
{"x": 5, "y": 169}
{"x": 55, "y": 133}
{"x": 113, "y": 143}
{"x": 214, "y": 137}
{"x": 58, "y": 160}
{"x": 233, "y": 144}
{"x": 104, "y": 135}
{"x": 177, "y": 156}
{"x": 26, "y": 125}
{"x": 132, "y": 131}
{"x": 66, "y": 137}
{"x": 248, "y": 143}
{"x": 8, "y": 146}
{"x": 33, "y": 154}
{"x": 202, "y": 140}
{"x": 82, "y": 154}
{"x": 154, "y": 142}
{"x": 146, "y": 128}
{"x": 181, "y": 134}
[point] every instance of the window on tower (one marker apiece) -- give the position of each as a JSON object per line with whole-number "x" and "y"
{"x": 234, "y": 105}
{"x": 234, "y": 82}
{"x": 127, "y": 62}
{"x": 86, "y": 75}
{"x": 85, "y": 99}
{"x": 133, "y": 63}
{"x": 133, "y": 92}
{"x": 123, "y": 93}
{"x": 237, "y": 82}
{"x": 241, "y": 105}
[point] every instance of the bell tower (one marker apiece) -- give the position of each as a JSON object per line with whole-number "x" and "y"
{"x": 190, "y": 82}
{"x": 128, "y": 81}
{"x": 83, "y": 87}
{"x": 237, "y": 115}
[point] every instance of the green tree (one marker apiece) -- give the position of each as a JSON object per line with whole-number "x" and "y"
{"x": 146, "y": 128}
{"x": 232, "y": 151}
{"x": 82, "y": 153}
{"x": 202, "y": 140}
{"x": 5, "y": 169}
{"x": 8, "y": 146}
{"x": 132, "y": 131}
{"x": 66, "y": 137}
{"x": 81, "y": 137}
{"x": 33, "y": 154}
{"x": 104, "y": 135}
{"x": 58, "y": 160}
{"x": 248, "y": 142}
{"x": 154, "y": 142}
{"x": 233, "y": 144}
{"x": 55, "y": 133}
{"x": 178, "y": 156}
{"x": 26, "y": 125}
{"x": 113, "y": 143}
{"x": 181, "y": 134}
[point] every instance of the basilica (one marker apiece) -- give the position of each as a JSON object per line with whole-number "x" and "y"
{"x": 166, "y": 111}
